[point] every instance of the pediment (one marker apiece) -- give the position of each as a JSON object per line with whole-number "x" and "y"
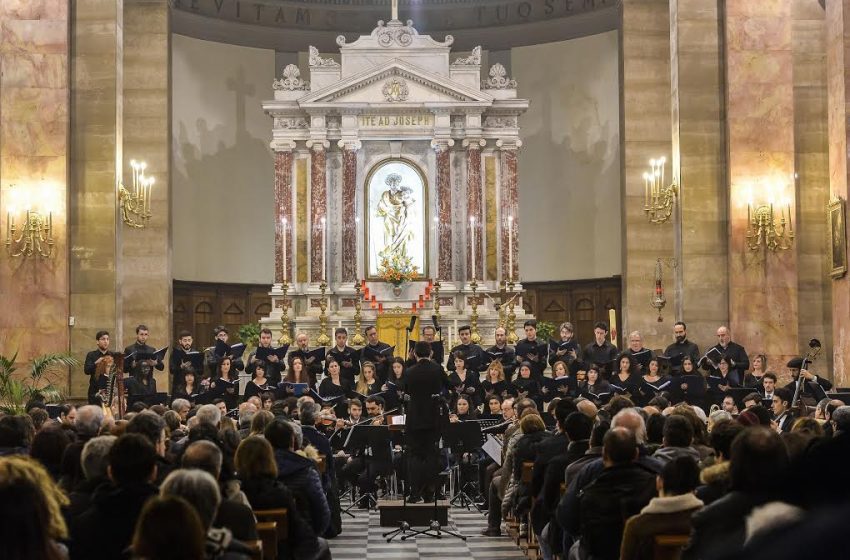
{"x": 396, "y": 81}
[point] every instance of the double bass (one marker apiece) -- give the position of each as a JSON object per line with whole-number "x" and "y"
{"x": 797, "y": 406}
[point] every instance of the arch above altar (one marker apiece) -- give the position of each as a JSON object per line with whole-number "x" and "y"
{"x": 394, "y": 154}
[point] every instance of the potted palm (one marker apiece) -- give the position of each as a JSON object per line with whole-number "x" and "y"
{"x": 40, "y": 383}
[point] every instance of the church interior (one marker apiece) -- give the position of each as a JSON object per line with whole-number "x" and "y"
{"x": 313, "y": 279}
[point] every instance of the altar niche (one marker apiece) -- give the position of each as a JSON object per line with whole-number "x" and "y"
{"x": 396, "y": 214}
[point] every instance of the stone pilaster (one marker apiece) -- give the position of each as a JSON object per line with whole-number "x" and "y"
{"x": 283, "y": 210}
{"x": 318, "y": 206}
{"x": 509, "y": 197}
{"x": 444, "y": 207}
{"x": 349, "y": 210}
{"x": 473, "y": 206}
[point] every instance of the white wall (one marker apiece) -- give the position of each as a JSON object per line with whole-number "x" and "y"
{"x": 223, "y": 173}
{"x": 569, "y": 164}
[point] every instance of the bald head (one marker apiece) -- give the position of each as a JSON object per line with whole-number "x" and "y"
{"x": 631, "y": 420}
{"x": 619, "y": 447}
{"x": 586, "y": 407}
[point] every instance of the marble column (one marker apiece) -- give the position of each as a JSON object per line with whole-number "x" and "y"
{"x": 763, "y": 288}
{"x": 509, "y": 197}
{"x": 144, "y": 271}
{"x": 283, "y": 209}
{"x": 473, "y": 207}
{"x": 349, "y": 210}
{"x": 318, "y": 208}
{"x": 34, "y": 148}
{"x": 838, "y": 103}
{"x": 444, "y": 210}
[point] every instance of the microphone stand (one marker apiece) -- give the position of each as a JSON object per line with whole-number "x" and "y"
{"x": 404, "y": 525}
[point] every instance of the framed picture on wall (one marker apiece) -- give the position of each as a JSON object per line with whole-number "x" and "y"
{"x": 837, "y": 238}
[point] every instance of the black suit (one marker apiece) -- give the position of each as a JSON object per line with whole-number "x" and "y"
{"x": 90, "y": 369}
{"x": 422, "y": 424}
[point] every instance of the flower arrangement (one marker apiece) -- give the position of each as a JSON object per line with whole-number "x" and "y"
{"x": 397, "y": 269}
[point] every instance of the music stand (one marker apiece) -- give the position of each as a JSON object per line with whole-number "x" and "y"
{"x": 463, "y": 437}
{"x": 369, "y": 440}
{"x": 397, "y": 433}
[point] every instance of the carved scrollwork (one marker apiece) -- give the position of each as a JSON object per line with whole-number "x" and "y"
{"x": 291, "y": 80}
{"x": 473, "y": 59}
{"x": 499, "y": 78}
{"x": 291, "y": 123}
{"x": 317, "y": 60}
{"x": 395, "y": 32}
{"x": 500, "y": 122}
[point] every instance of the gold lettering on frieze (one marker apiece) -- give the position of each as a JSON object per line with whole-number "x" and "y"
{"x": 395, "y": 121}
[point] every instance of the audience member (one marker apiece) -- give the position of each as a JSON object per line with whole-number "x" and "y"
{"x": 677, "y": 439}
{"x": 169, "y": 528}
{"x": 94, "y": 463}
{"x": 48, "y": 446}
{"x": 715, "y": 477}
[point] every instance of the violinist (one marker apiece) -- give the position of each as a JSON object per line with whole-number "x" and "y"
{"x": 380, "y": 464}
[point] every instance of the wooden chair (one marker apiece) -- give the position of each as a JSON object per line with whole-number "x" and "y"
{"x": 267, "y": 531}
{"x": 256, "y": 549}
{"x": 322, "y": 464}
{"x": 669, "y": 547}
{"x": 278, "y": 516}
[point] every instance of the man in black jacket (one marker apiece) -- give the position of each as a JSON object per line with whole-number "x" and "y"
{"x": 92, "y": 359}
{"x": 132, "y": 365}
{"x": 104, "y": 530}
{"x": 739, "y": 362}
{"x": 806, "y": 377}
{"x": 681, "y": 348}
{"x": 622, "y": 489}
{"x": 425, "y": 411}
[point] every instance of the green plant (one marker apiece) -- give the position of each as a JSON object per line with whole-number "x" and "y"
{"x": 546, "y": 330}
{"x": 250, "y": 334}
{"x": 41, "y": 382}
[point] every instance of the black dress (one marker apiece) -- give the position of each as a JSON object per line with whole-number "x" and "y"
{"x": 328, "y": 390}
{"x": 527, "y": 388}
{"x": 394, "y": 395}
{"x": 499, "y": 389}
{"x": 252, "y": 389}
{"x": 629, "y": 388}
{"x": 470, "y": 387}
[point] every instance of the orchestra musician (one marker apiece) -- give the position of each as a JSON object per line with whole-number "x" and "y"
{"x": 93, "y": 359}
{"x": 805, "y": 376}
{"x": 363, "y": 471}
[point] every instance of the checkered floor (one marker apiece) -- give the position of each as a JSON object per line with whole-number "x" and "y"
{"x": 361, "y": 538}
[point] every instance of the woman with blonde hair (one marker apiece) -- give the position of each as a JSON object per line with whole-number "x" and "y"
{"x": 367, "y": 381}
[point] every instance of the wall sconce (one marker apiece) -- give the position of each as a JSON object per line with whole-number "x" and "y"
{"x": 34, "y": 238}
{"x": 659, "y": 196}
{"x": 136, "y": 203}
{"x": 765, "y": 229}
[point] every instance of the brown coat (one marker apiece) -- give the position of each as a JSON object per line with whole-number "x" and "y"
{"x": 662, "y": 516}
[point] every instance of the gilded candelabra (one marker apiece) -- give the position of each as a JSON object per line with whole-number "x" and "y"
{"x": 659, "y": 196}
{"x": 436, "y": 291}
{"x": 476, "y": 337}
{"x": 764, "y": 230}
{"x": 135, "y": 202}
{"x": 512, "y": 337}
{"x": 323, "y": 339}
{"x": 285, "y": 338}
{"x": 357, "y": 339}
{"x": 34, "y": 238}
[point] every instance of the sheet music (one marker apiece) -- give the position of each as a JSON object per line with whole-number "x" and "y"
{"x": 493, "y": 448}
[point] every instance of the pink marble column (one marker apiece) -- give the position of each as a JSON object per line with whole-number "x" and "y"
{"x": 283, "y": 209}
{"x": 763, "y": 290}
{"x": 318, "y": 209}
{"x": 838, "y": 103}
{"x": 473, "y": 206}
{"x": 509, "y": 208}
{"x": 349, "y": 210}
{"x": 444, "y": 202}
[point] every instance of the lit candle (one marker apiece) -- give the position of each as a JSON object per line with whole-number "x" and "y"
{"x": 749, "y": 221}
{"x": 646, "y": 188}
{"x": 421, "y": 298}
{"x": 380, "y": 308}
{"x": 511, "y": 248}
{"x": 373, "y": 298}
{"x": 283, "y": 228}
{"x": 324, "y": 248}
{"x": 472, "y": 245}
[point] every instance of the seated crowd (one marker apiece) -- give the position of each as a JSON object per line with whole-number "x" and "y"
{"x": 599, "y": 458}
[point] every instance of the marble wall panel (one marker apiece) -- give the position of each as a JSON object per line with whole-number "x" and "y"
{"x": 491, "y": 217}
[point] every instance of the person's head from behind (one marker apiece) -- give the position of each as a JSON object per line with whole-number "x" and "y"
{"x": 280, "y": 434}
{"x": 260, "y": 420}
{"x": 563, "y": 409}
{"x": 679, "y": 476}
{"x": 13, "y": 432}
{"x": 678, "y": 432}
{"x": 597, "y": 435}
{"x": 577, "y": 426}
{"x": 619, "y": 447}
{"x": 631, "y": 420}
{"x": 840, "y": 420}
{"x": 169, "y": 528}
{"x": 151, "y": 426}
{"x": 255, "y": 459}
{"x": 132, "y": 460}
{"x": 203, "y": 455}
{"x": 94, "y": 460}
{"x": 48, "y": 445}
{"x": 531, "y": 423}
{"x": 209, "y": 414}
{"x": 198, "y": 488}
{"x": 422, "y": 350}
{"x": 758, "y": 461}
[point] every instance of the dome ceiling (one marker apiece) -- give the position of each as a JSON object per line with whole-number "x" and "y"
{"x": 288, "y": 25}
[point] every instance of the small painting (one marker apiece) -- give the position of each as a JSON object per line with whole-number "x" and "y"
{"x": 837, "y": 239}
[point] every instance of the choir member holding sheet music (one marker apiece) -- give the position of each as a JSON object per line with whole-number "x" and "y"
{"x": 472, "y": 352}
{"x": 376, "y": 352}
{"x": 682, "y": 347}
{"x": 463, "y": 380}
{"x": 368, "y": 383}
{"x": 502, "y": 353}
{"x": 595, "y": 388}
{"x": 335, "y": 388}
{"x": 225, "y": 384}
{"x": 566, "y": 349}
{"x": 653, "y": 382}
{"x": 532, "y": 350}
{"x": 720, "y": 381}
{"x": 429, "y": 335}
{"x": 494, "y": 383}
{"x": 214, "y": 354}
{"x": 273, "y": 358}
{"x": 345, "y": 356}
{"x": 260, "y": 383}
{"x": 601, "y": 352}
{"x": 640, "y": 355}
{"x": 393, "y": 388}
{"x": 140, "y": 352}
{"x": 189, "y": 389}
{"x": 181, "y": 356}
{"x": 692, "y": 383}
{"x": 313, "y": 359}
{"x": 525, "y": 386}
{"x": 564, "y": 385}
{"x": 297, "y": 380}
{"x": 625, "y": 382}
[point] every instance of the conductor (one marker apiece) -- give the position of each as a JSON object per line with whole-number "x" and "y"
{"x": 425, "y": 383}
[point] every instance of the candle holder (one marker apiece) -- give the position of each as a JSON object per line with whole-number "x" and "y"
{"x": 285, "y": 337}
{"x": 659, "y": 196}
{"x": 511, "y": 324}
{"x": 658, "y": 301}
{"x": 135, "y": 202}
{"x": 34, "y": 236}
{"x": 323, "y": 339}
{"x": 357, "y": 339}
{"x": 765, "y": 230}
{"x": 476, "y": 338}
{"x": 436, "y": 291}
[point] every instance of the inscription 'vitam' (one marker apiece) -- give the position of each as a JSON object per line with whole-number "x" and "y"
{"x": 398, "y": 121}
